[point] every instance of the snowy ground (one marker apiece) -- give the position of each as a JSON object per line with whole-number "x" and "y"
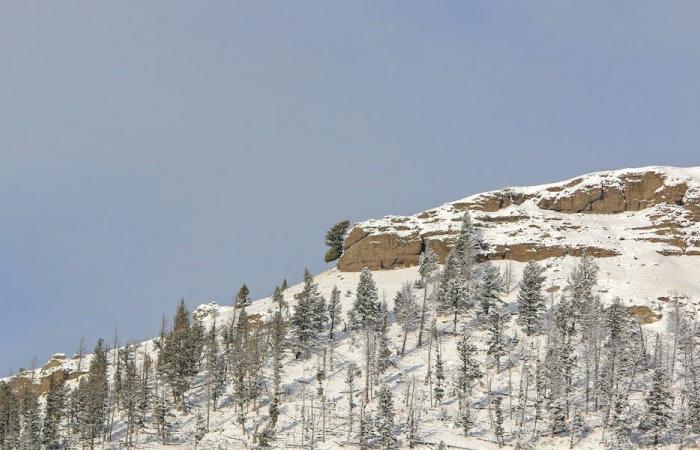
{"x": 639, "y": 279}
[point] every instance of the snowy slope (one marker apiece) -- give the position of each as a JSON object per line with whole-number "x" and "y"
{"x": 639, "y": 272}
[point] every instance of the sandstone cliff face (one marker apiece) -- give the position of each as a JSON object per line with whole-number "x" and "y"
{"x": 603, "y": 214}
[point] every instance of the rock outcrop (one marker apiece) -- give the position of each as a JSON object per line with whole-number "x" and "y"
{"x": 600, "y": 214}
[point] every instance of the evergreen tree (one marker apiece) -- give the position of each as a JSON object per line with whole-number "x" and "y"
{"x": 531, "y": 302}
{"x": 581, "y": 286}
{"x": 439, "y": 376}
{"x": 30, "y": 437}
{"x": 334, "y": 311}
{"x": 92, "y": 412}
{"x": 459, "y": 282}
{"x": 658, "y": 403}
{"x": 490, "y": 289}
{"x": 278, "y": 299}
{"x": 498, "y": 423}
{"x": 309, "y": 315}
{"x": 9, "y": 417}
{"x": 334, "y": 240}
{"x": 240, "y": 362}
{"x": 181, "y": 353}
{"x": 278, "y": 344}
{"x": 243, "y": 297}
{"x": 54, "y": 410}
{"x": 496, "y": 340}
{"x": 384, "y": 353}
{"x": 364, "y": 316}
{"x": 427, "y": 269}
{"x": 385, "y": 419}
{"x": 469, "y": 366}
{"x": 406, "y": 312}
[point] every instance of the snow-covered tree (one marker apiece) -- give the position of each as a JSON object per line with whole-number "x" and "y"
{"x": 531, "y": 302}
{"x": 365, "y": 316}
{"x": 385, "y": 419}
{"x": 459, "y": 283}
{"x": 334, "y": 311}
{"x": 497, "y": 341}
{"x": 469, "y": 365}
{"x": 490, "y": 289}
{"x": 428, "y": 266}
{"x": 406, "y": 312}
{"x": 498, "y": 422}
{"x": 658, "y": 406}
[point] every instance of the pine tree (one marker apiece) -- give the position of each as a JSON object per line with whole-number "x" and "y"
{"x": 278, "y": 299}
{"x": 243, "y": 298}
{"x": 406, "y": 312}
{"x": 581, "y": 285}
{"x": 490, "y": 289}
{"x": 30, "y": 437}
{"x": 92, "y": 412}
{"x": 309, "y": 316}
{"x": 439, "y": 376}
{"x": 427, "y": 269}
{"x": 278, "y": 344}
{"x": 334, "y": 240}
{"x": 658, "y": 403}
{"x": 181, "y": 353}
{"x": 130, "y": 397}
{"x": 54, "y": 411}
{"x": 469, "y": 366}
{"x": 9, "y": 417}
{"x": 213, "y": 366}
{"x": 531, "y": 302}
{"x": 620, "y": 425}
{"x": 364, "y": 316}
{"x": 383, "y": 359}
{"x": 334, "y": 311}
{"x": 240, "y": 362}
{"x": 496, "y": 341}
{"x": 350, "y": 377}
{"x": 459, "y": 282}
{"x": 385, "y": 419}
{"x": 498, "y": 424}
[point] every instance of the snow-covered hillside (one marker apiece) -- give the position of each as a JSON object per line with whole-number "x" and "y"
{"x": 663, "y": 285}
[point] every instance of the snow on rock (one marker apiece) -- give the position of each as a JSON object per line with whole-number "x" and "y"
{"x": 603, "y": 214}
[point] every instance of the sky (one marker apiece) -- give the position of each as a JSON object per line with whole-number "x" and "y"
{"x": 152, "y": 151}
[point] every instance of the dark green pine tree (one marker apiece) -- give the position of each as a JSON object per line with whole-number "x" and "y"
{"x": 334, "y": 240}
{"x": 243, "y": 297}
{"x": 531, "y": 298}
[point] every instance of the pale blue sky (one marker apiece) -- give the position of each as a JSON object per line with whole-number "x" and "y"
{"x": 165, "y": 149}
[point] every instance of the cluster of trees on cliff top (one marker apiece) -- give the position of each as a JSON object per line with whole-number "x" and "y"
{"x": 575, "y": 371}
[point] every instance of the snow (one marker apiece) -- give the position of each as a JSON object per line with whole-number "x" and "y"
{"x": 640, "y": 276}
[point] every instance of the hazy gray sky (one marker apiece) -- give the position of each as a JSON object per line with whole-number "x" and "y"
{"x": 164, "y": 149}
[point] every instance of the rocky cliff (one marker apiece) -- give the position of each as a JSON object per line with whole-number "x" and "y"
{"x": 604, "y": 214}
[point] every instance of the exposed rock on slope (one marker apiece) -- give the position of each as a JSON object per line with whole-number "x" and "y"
{"x": 604, "y": 214}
